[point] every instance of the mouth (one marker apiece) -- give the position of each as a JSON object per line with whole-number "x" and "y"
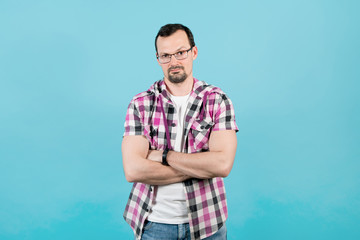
{"x": 175, "y": 70}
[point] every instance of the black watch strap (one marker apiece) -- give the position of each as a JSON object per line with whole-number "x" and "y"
{"x": 164, "y": 156}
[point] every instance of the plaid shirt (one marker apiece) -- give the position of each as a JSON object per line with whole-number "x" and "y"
{"x": 206, "y": 200}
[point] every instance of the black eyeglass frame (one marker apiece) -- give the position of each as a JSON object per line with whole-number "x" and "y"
{"x": 174, "y": 54}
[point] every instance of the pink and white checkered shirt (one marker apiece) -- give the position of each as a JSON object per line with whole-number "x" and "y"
{"x": 206, "y": 200}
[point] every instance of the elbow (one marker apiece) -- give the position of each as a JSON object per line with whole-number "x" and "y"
{"x": 225, "y": 169}
{"x": 224, "y": 172}
{"x": 129, "y": 177}
{"x": 130, "y": 174}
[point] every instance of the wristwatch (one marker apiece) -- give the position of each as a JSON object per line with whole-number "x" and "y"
{"x": 164, "y": 156}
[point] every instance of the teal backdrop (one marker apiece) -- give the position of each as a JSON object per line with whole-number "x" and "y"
{"x": 68, "y": 70}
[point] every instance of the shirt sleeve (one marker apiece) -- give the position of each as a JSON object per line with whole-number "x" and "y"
{"x": 133, "y": 124}
{"x": 224, "y": 118}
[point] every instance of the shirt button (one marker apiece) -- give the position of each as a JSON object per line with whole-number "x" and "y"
{"x": 173, "y": 124}
{"x": 151, "y": 189}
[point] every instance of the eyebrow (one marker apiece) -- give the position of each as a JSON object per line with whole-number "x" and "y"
{"x": 179, "y": 49}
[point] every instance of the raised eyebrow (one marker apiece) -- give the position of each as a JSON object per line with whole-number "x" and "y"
{"x": 182, "y": 48}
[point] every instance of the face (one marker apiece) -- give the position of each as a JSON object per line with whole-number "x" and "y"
{"x": 176, "y": 71}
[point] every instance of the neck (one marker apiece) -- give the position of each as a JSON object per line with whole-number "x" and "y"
{"x": 180, "y": 89}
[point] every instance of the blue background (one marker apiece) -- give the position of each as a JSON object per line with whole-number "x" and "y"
{"x": 68, "y": 70}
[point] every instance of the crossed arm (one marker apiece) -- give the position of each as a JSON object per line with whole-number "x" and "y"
{"x": 144, "y": 165}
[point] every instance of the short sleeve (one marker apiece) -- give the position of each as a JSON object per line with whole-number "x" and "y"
{"x": 224, "y": 118}
{"x": 133, "y": 124}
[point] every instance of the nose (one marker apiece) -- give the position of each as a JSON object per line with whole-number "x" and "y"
{"x": 173, "y": 59}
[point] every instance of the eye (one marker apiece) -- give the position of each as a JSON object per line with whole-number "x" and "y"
{"x": 164, "y": 56}
{"x": 180, "y": 53}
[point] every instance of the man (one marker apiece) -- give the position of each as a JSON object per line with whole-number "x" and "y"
{"x": 179, "y": 143}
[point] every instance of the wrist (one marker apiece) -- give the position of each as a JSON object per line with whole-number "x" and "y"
{"x": 164, "y": 157}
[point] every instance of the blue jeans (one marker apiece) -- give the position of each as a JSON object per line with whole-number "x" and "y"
{"x": 161, "y": 231}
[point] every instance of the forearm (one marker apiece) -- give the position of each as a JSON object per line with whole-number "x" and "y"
{"x": 217, "y": 162}
{"x": 138, "y": 168}
{"x": 202, "y": 165}
{"x": 154, "y": 173}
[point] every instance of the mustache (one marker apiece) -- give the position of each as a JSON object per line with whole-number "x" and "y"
{"x": 175, "y": 68}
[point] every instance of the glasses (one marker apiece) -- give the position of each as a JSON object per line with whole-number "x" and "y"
{"x": 180, "y": 55}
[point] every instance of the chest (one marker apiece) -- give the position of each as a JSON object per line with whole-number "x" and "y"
{"x": 193, "y": 120}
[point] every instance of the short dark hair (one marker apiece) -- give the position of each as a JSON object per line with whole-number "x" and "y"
{"x": 168, "y": 29}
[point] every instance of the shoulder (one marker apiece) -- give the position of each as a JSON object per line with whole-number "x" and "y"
{"x": 146, "y": 95}
{"x": 202, "y": 88}
{"x": 142, "y": 95}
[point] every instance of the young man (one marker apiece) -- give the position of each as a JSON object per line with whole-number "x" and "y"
{"x": 179, "y": 143}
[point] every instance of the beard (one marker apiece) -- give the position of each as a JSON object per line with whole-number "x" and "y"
{"x": 177, "y": 77}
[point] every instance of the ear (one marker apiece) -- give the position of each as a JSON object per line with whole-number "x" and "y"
{"x": 157, "y": 59}
{"x": 194, "y": 52}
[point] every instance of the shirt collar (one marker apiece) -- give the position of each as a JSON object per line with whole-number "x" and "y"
{"x": 160, "y": 89}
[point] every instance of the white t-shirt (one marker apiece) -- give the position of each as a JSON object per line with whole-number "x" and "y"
{"x": 170, "y": 201}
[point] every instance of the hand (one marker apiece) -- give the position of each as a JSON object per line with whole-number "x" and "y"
{"x": 155, "y": 155}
